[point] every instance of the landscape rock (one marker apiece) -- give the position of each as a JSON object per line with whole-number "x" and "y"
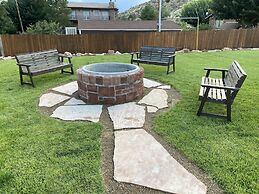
{"x": 51, "y": 99}
{"x": 118, "y": 53}
{"x": 128, "y": 115}
{"x": 157, "y": 98}
{"x": 227, "y": 49}
{"x": 140, "y": 159}
{"x": 67, "y": 54}
{"x": 186, "y": 50}
{"x": 78, "y": 54}
{"x": 110, "y": 52}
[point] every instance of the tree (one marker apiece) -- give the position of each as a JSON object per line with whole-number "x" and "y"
{"x": 165, "y": 12}
{"x": 196, "y": 8}
{"x": 6, "y": 24}
{"x": 44, "y": 27}
{"x": 246, "y": 12}
{"x": 148, "y": 13}
{"x": 33, "y": 11}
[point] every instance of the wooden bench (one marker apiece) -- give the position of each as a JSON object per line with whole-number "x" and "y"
{"x": 221, "y": 90}
{"x": 38, "y": 63}
{"x": 155, "y": 55}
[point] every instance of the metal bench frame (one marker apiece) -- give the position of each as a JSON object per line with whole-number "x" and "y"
{"x": 225, "y": 91}
{"x": 155, "y": 55}
{"x": 26, "y": 62}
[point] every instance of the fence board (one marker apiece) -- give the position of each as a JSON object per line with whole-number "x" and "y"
{"x": 99, "y": 42}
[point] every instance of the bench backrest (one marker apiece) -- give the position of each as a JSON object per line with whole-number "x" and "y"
{"x": 39, "y": 60}
{"x": 235, "y": 77}
{"x": 156, "y": 53}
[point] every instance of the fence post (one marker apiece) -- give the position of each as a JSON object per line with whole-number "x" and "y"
{"x": 1, "y": 47}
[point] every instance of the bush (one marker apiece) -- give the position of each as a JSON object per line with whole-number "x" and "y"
{"x": 44, "y": 27}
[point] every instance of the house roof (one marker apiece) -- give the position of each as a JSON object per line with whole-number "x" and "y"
{"x": 89, "y": 5}
{"x": 119, "y": 25}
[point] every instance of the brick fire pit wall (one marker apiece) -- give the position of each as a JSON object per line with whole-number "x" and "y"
{"x": 103, "y": 86}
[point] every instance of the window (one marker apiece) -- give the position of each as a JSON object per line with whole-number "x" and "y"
{"x": 86, "y": 15}
{"x": 73, "y": 15}
{"x": 105, "y": 15}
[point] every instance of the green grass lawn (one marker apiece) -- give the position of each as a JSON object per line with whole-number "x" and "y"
{"x": 39, "y": 154}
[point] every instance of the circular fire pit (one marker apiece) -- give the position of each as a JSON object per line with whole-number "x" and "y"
{"x": 110, "y": 83}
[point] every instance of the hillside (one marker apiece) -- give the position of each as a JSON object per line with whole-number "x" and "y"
{"x": 134, "y": 12}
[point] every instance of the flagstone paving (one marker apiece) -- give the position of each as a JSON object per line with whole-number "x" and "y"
{"x": 157, "y": 98}
{"x": 150, "y": 83}
{"x": 74, "y": 101}
{"x": 165, "y": 87}
{"x": 82, "y": 112}
{"x": 51, "y": 99}
{"x": 128, "y": 115}
{"x": 152, "y": 109}
{"x": 138, "y": 157}
{"x": 68, "y": 89}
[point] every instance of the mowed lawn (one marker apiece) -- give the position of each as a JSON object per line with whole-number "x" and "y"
{"x": 39, "y": 154}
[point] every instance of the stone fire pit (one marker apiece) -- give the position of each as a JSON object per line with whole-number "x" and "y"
{"x": 110, "y": 83}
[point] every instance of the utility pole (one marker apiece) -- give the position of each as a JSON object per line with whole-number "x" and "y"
{"x": 160, "y": 16}
{"x": 19, "y": 15}
{"x": 197, "y": 29}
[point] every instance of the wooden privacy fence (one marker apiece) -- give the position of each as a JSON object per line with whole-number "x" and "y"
{"x": 99, "y": 42}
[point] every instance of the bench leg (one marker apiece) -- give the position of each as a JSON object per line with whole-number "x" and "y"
{"x": 203, "y": 102}
{"x": 72, "y": 70}
{"x": 32, "y": 83}
{"x": 228, "y": 106}
{"x": 21, "y": 76}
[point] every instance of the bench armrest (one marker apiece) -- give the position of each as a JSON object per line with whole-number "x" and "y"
{"x": 223, "y": 71}
{"x": 219, "y": 87}
{"x": 25, "y": 65}
{"x": 171, "y": 56}
{"x": 215, "y": 69}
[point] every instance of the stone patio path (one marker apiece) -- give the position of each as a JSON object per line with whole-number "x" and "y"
{"x": 138, "y": 157}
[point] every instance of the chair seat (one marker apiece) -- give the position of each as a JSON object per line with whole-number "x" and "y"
{"x": 214, "y": 94}
{"x": 150, "y": 61}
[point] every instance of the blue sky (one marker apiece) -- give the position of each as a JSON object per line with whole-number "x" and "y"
{"x": 121, "y": 4}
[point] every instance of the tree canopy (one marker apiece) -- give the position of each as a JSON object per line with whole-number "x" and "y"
{"x": 6, "y": 24}
{"x": 148, "y": 13}
{"x": 196, "y": 8}
{"x": 33, "y": 11}
{"x": 246, "y": 12}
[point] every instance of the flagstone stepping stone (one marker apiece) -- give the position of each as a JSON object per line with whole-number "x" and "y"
{"x": 51, "y": 99}
{"x": 165, "y": 87}
{"x": 74, "y": 101}
{"x": 128, "y": 115}
{"x": 140, "y": 159}
{"x": 68, "y": 89}
{"x": 152, "y": 109}
{"x": 83, "y": 112}
{"x": 150, "y": 83}
{"x": 157, "y": 98}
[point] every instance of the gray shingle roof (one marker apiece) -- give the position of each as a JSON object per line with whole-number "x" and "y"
{"x": 119, "y": 25}
{"x": 88, "y": 5}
